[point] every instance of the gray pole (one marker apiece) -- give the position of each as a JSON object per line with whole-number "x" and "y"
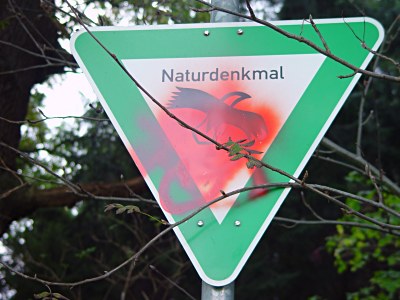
{"x": 209, "y": 292}
{"x": 227, "y": 292}
{"x": 217, "y": 16}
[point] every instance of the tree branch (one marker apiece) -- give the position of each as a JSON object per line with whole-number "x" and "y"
{"x": 295, "y": 222}
{"x": 361, "y": 162}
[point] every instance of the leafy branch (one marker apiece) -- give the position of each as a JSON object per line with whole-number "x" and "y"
{"x": 130, "y": 209}
{"x": 49, "y": 296}
{"x": 240, "y": 149}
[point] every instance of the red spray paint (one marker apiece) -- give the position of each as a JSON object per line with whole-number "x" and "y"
{"x": 231, "y": 115}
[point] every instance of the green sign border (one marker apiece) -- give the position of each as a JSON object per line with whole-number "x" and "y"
{"x": 219, "y": 251}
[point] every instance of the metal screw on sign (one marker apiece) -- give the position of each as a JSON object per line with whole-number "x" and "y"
{"x": 240, "y": 31}
{"x": 237, "y": 223}
{"x": 200, "y": 223}
{"x": 206, "y": 33}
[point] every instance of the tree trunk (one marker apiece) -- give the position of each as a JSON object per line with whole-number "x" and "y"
{"x": 27, "y": 36}
{"x": 25, "y": 202}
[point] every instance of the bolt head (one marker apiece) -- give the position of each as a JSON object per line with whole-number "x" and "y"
{"x": 237, "y": 223}
{"x": 240, "y": 31}
{"x": 200, "y": 223}
{"x": 206, "y": 33}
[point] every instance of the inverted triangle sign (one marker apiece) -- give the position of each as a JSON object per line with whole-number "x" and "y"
{"x": 277, "y": 95}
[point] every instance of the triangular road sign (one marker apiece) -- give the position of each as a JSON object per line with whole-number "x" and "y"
{"x": 233, "y": 80}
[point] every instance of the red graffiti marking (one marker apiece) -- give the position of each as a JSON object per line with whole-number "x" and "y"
{"x": 231, "y": 115}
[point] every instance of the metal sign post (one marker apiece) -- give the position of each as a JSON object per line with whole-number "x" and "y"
{"x": 219, "y": 17}
{"x": 209, "y": 292}
{"x": 227, "y": 292}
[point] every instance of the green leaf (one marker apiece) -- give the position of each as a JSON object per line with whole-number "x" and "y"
{"x": 229, "y": 143}
{"x": 340, "y": 229}
{"x": 241, "y": 141}
{"x": 112, "y": 206}
{"x": 235, "y": 149}
{"x": 255, "y": 163}
{"x": 249, "y": 144}
{"x": 41, "y": 295}
{"x": 4, "y": 24}
{"x": 120, "y": 210}
{"x": 109, "y": 207}
{"x": 251, "y": 151}
{"x": 237, "y": 157}
{"x": 250, "y": 164}
{"x": 132, "y": 209}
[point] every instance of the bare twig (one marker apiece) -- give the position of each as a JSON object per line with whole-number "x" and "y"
{"x": 319, "y": 34}
{"x": 154, "y": 269}
{"x": 361, "y": 121}
{"x": 348, "y": 75}
{"x": 251, "y": 11}
{"x": 68, "y": 183}
{"x": 363, "y": 200}
{"x": 18, "y": 15}
{"x": 128, "y": 279}
{"x": 46, "y": 44}
{"x": 396, "y": 63}
{"x": 22, "y": 122}
{"x": 64, "y": 61}
{"x": 295, "y": 222}
{"x": 12, "y": 172}
{"x": 338, "y": 162}
{"x": 32, "y": 68}
{"x": 373, "y": 180}
{"x": 361, "y": 162}
{"x": 364, "y": 45}
{"x": 390, "y": 37}
{"x": 86, "y": 18}
{"x": 14, "y": 189}
{"x": 202, "y": 10}
{"x": 306, "y": 204}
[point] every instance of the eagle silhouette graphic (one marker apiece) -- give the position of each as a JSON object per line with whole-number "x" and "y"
{"x": 224, "y": 111}
{"x": 219, "y": 112}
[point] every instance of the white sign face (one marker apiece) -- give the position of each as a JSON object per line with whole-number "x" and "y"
{"x": 265, "y": 78}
